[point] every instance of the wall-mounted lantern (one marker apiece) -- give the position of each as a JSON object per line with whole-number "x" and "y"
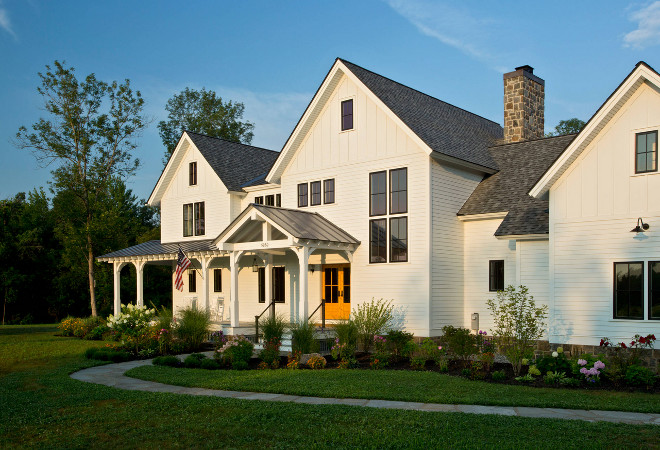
{"x": 641, "y": 226}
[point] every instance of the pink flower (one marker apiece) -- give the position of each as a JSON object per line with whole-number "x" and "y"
{"x": 599, "y": 365}
{"x": 584, "y": 370}
{"x": 582, "y": 362}
{"x": 439, "y": 347}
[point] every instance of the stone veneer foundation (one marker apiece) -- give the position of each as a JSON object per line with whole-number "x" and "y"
{"x": 524, "y": 95}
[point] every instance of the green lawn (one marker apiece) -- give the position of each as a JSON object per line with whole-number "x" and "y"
{"x": 41, "y": 406}
{"x": 427, "y": 387}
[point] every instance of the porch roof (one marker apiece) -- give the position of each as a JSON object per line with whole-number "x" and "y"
{"x": 298, "y": 224}
{"x": 156, "y": 248}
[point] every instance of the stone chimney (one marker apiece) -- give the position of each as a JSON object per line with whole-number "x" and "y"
{"x": 524, "y": 95}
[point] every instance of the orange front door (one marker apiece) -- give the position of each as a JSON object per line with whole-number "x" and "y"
{"x": 337, "y": 291}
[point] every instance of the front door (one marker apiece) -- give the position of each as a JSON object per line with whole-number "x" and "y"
{"x": 337, "y": 291}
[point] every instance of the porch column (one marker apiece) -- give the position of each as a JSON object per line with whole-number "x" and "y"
{"x": 204, "y": 293}
{"x": 233, "y": 292}
{"x": 139, "y": 275}
{"x": 268, "y": 278}
{"x": 117, "y": 266}
{"x": 303, "y": 267}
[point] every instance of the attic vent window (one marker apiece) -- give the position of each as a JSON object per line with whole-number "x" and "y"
{"x": 192, "y": 173}
{"x": 347, "y": 115}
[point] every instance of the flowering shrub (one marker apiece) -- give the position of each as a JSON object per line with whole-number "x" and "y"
{"x": 557, "y": 362}
{"x": 372, "y": 318}
{"x": 591, "y": 375}
{"x": 622, "y": 356}
{"x": 316, "y": 362}
{"x": 428, "y": 350}
{"x": 80, "y": 328}
{"x": 132, "y": 320}
{"x": 460, "y": 342}
{"x": 270, "y": 355}
{"x": 68, "y": 325}
{"x": 218, "y": 339}
{"x": 381, "y": 356}
{"x": 237, "y": 351}
{"x": 293, "y": 360}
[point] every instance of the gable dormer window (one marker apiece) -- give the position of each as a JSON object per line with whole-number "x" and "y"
{"x": 646, "y": 152}
{"x": 347, "y": 115}
{"x": 192, "y": 174}
{"x": 270, "y": 200}
{"x": 259, "y": 200}
{"x": 193, "y": 219}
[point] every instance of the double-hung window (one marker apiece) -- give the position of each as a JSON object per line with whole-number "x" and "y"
{"x": 347, "y": 115}
{"x": 329, "y": 191}
{"x": 193, "y": 219}
{"x": 315, "y": 187}
{"x": 302, "y": 195}
{"x": 629, "y": 290}
{"x": 192, "y": 173}
{"x": 646, "y": 152}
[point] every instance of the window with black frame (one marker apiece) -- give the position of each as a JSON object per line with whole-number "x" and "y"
{"x": 398, "y": 191}
{"x": 302, "y": 195}
{"x": 315, "y": 187}
{"x": 347, "y": 115}
{"x": 200, "y": 226}
{"x": 654, "y": 290}
{"x": 217, "y": 280}
{"x": 629, "y": 290}
{"x": 496, "y": 275}
{"x": 646, "y": 152}
{"x": 378, "y": 241}
{"x": 192, "y": 281}
{"x": 378, "y": 193}
{"x": 188, "y": 219}
{"x": 399, "y": 239}
{"x": 329, "y": 191}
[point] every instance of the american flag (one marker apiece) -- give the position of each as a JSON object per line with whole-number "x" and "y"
{"x": 182, "y": 263}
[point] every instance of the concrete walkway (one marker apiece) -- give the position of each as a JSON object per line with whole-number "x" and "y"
{"x": 113, "y": 375}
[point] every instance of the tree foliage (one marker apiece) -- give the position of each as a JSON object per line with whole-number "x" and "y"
{"x": 518, "y": 323}
{"x": 88, "y": 136}
{"x": 568, "y": 126}
{"x": 206, "y": 113}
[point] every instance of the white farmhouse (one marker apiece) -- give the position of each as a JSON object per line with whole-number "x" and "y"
{"x": 382, "y": 191}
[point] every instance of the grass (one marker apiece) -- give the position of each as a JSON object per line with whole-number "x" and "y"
{"x": 427, "y": 387}
{"x": 41, "y": 406}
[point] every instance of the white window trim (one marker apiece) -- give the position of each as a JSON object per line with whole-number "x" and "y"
{"x": 632, "y": 152}
{"x": 352, "y": 97}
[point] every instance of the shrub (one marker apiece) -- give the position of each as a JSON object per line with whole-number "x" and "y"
{"x": 270, "y": 355}
{"x": 209, "y": 364}
{"x": 237, "y": 351}
{"x": 519, "y": 323}
{"x": 525, "y": 379}
{"x": 639, "y": 376}
{"x": 460, "y": 342}
{"x": 273, "y": 327}
{"x": 553, "y": 363}
{"x": 132, "y": 320}
{"x": 622, "y": 356}
{"x": 346, "y": 340}
{"x": 397, "y": 340}
{"x": 570, "y": 382}
{"x": 164, "y": 319}
{"x": 303, "y": 337}
{"x": 218, "y": 339}
{"x": 119, "y": 356}
{"x": 170, "y": 361}
{"x": 316, "y": 362}
{"x": 67, "y": 326}
{"x": 592, "y": 374}
{"x": 427, "y": 350}
{"x": 554, "y": 378}
{"x": 194, "y": 360}
{"x": 498, "y": 375}
{"x": 83, "y": 327}
{"x": 293, "y": 361}
{"x": 381, "y": 356}
{"x": 534, "y": 371}
{"x": 371, "y": 319}
{"x": 192, "y": 327}
{"x": 96, "y": 334}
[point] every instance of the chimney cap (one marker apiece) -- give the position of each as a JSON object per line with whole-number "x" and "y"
{"x": 526, "y": 68}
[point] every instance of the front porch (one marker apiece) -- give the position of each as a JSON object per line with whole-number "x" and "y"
{"x": 267, "y": 261}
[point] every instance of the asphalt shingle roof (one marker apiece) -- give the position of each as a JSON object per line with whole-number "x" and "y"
{"x": 445, "y": 128}
{"x": 521, "y": 164}
{"x": 152, "y": 248}
{"x": 237, "y": 165}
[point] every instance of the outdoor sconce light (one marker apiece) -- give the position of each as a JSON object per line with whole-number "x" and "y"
{"x": 641, "y": 226}
{"x": 255, "y": 266}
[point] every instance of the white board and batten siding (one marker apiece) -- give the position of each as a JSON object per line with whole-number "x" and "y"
{"x": 209, "y": 189}
{"x": 594, "y": 205}
{"x": 376, "y": 143}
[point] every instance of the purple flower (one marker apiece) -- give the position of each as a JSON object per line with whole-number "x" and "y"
{"x": 599, "y": 365}
{"x": 582, "y": 362}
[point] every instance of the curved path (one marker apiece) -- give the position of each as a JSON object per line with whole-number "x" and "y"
{"x": 113, "y": 375}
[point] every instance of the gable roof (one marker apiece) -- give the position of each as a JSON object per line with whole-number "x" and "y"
{"x": 441, "y": 129}
{"x": 298, "y": 224}
{"x": 521, "y": 164}
{"x": 445, "y": 128}
{"x": 236, "y": 164}
{"x": 642, "y": 73}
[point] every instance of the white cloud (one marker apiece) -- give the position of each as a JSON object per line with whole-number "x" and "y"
{"x": 648, "y": 27}
{"x": 450, "y": 24}
{"x": 5, "y": 23}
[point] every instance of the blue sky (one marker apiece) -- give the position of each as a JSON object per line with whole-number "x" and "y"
{"x": 272, "y": 56}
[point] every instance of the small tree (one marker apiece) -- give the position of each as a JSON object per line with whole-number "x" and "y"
{"x": 518, "y": 323}
{"x": 568, "y": 126}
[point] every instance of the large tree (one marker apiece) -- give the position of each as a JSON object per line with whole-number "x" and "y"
{"x": 89, "y": 137}
{"x": 203, "y": 112}
{"x": 568, "y": 126}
